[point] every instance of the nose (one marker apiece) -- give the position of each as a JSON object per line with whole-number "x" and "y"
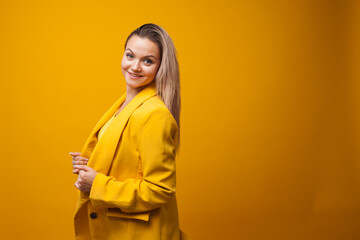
{"x": 136, "y": 67}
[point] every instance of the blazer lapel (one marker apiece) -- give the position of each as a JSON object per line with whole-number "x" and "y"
{"x": 101, "y": 153}
{"x": 92, "y": 139}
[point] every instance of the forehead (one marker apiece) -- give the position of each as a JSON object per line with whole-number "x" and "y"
{"x": 142, "y": 46}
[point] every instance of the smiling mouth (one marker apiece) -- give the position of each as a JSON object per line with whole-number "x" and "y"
{"x": 134, "y": 75}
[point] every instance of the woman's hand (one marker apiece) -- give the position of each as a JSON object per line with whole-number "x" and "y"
{"x": 85, "y": 179}
{"x": 78, "y": 160}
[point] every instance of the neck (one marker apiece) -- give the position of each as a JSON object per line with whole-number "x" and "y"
{"x": 132, "y": 92}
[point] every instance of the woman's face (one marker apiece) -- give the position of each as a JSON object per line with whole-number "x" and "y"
{"x": 140, "y": 62}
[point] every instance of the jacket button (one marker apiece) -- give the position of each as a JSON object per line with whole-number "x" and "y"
{"x": 93, "y": 215}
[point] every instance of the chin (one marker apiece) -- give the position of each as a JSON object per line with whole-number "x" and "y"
{"x": 133, "y": 84}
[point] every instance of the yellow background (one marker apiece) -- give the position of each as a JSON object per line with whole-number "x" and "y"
{"x": 270, "y": 116}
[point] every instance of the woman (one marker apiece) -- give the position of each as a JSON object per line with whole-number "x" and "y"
{"x": 126, "y": 170}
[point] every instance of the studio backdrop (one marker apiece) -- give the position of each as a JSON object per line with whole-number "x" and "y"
{"x": 270, "y": 114}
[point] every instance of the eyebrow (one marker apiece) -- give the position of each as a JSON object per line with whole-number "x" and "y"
{"x": 144, "y": 56}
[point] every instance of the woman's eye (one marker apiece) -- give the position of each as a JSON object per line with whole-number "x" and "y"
{"x": 129, "y": 55}
{"x": 147, "y": 61}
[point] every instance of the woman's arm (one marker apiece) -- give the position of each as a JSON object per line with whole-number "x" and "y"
{"x": 156, "y": 136}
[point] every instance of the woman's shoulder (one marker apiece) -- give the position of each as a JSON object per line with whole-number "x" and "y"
{"x": 152, "y": 107}
{"x": 154, "y": 116}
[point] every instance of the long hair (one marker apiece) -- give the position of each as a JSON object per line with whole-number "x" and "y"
{"x": 167, "y": 79}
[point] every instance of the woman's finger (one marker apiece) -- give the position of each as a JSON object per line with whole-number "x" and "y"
{"x": 75, "y": 153}
{"x": 78, "y": 158}
{"x": 81, "y": 162}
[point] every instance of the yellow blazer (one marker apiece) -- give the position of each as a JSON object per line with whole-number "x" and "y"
{"x": 133, "y": 194}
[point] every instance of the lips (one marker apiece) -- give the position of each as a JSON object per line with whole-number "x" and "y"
{"x": 133, "y": 75}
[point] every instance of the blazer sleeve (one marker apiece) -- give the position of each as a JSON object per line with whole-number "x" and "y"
{"x": 156, "y": 138}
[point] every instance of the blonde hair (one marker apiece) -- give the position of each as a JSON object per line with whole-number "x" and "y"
{"x": 167, "y": 79}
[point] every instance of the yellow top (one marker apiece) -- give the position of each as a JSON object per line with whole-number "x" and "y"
{"x": 106, "y": 126}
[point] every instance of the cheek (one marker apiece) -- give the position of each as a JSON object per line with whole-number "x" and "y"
{"x": 124, "y": 64}
{"x": 153, "y": 70}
